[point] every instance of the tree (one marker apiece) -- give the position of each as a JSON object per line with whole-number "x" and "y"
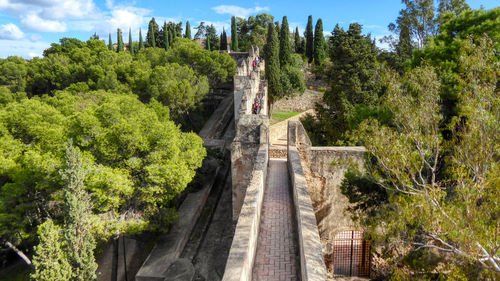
{"x": 94, "y": 36}
{"x": 319, "y": 43}
{"x": 188, "y": 31}
{"x": 454, "y": 181}
{"x": 166, "y": 41}
{"x": 119, "y": 40}
{"x": 50, "y": 260}
{"x": 234, "y": 35}
{"x": 418, "y": 17}
{"x": 285, "y": 48}
{"x": 130, "y": 45}
{"x": 223, "y": 40}
{"x": 271, "y": 53}
{"x": 153, "y": 33}
{"x": 449, "y": 8}
{"x": 207, "y": 44}
{"x": 78, "y": 210}
{"x": 211, "y": 36}
{"x": 354, "y": 82}
{"x": 297, "y": 42}
{"x": 309, "y": 40}
{"x": 141, "y": 44}
{"x": 110, "y": 43}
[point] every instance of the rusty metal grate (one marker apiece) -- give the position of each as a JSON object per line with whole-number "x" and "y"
{"x": 351, "y": 254}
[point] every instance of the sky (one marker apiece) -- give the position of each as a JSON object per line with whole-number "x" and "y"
{"x": 27, "y": 27}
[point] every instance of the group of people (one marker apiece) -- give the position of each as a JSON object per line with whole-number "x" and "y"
{"x": 256, "y": 63}
{"x": 256, "y": 105}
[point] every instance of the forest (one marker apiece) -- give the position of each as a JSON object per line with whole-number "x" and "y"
{"x": 97, "y": 139}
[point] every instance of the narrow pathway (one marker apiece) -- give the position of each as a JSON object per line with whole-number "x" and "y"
{"x": 277, "y": 251}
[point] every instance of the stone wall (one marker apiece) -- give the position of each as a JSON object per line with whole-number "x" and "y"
{"x": 312, "y": 264}
{"x": 324, "y": 169}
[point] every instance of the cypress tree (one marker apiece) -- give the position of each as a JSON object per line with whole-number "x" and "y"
{"x": 78, "y": 208}
{"x": 285, "y": 48}
{"x": 170, "y": 37}
{"x": 234, "y": 35}
{"x": 319, "y": 43}
{"x": 141, "y": 44}
{"x": 50, "y": 261}
{"x": 130, "y": 45}
{"x": 119, "y": 40}
{"x": 110, "y": 43}
{"x": 207, "y": 43}
{"x": 151, "y": 36}
{"x": 223, "y": 40}
{"x": 188, "y": 30}
{"x": 271, "y": 53}
{"x": 166, "y": 41}
{"x": 297, "y": 41}
{"x": 309, "y": 39}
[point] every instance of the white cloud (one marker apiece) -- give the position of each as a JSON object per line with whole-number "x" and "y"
{"x": 238, "y": 11}
{"x": 36, "y": 23}
{"x": 24, "y": 48}
{"x": 10, "y": 31}
{"x": 217, "y": 24}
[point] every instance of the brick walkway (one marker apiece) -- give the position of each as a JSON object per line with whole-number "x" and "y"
{"x": 277, "y": 252}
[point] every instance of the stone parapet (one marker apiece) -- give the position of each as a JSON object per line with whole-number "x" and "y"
{"x": 243, "y": 249}
{"x": 312, "y": 264}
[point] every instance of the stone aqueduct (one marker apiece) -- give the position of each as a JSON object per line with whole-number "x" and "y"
{"x": 318, "y": 205}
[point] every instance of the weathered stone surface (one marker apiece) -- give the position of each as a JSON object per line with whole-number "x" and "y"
{"x": 180, "y": 270}
{"x": 311, "y": 257}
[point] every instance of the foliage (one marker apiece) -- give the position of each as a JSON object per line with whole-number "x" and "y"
{"x": 50, "y": 259}
{"x": 297, "y": 42}
{"x": 273, "y": 73}
{"x": 141, "y": 44}
{"x": 188, "y": 31}
{"x": 218, "y": 67}
{"x": 253, "y": 31}
{"x": 453, "y": 181}
{"x": 130, "y": 43}
{"x": 77, "y": 223}
{"x": 355, "y": 84}
{"x": 119, "y": 40}
{"x": 223, "y": 40}
{"x": 110, "y": 43}
{"x": 285, "y": 48}
{"x": 292, "y": 80}
{"x": 418, "y": 17}
{"x": 309, "y": 35}
{"x": 319, "y": 43}
{"x": 138, "y": 161}
{"x": 153, "y": 35}
{"x": 234, "y": 35}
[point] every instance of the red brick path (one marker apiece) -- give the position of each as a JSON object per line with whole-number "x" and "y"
{"x": 277, "y": 252}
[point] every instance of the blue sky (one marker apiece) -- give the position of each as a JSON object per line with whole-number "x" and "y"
{"x": 27, "y": 27}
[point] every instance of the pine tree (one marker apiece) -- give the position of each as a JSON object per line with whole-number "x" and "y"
{"x": 119, "y": 40}
{"x": 130, "y": 45}
{"x": 285, "y": 48}
{"x": 271, "y": 53}
{"x": 309, "y": 39}
{"x": 110, "y": 43}
{"x": 50, "y": 260}
{"x": 297, "y": 42}
{"x": 319, "y": 43}
{"x": 151, "y": 36}
{"x": 188, "y": 31}
{"x": 234, "y": 35}
{"x": 141, "y": 44}
{"x": 78, "y": 209}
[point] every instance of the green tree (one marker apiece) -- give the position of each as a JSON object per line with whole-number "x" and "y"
{"x": 77, "y": 221}
{"x": 309, "y": 35}
{"x": 297, "y": 42}
{"x": 110, "y": 43}
{"x": 50, "y": 260}
{"x": 355, "y": 85}
{"x": 418, "y": 17}
{"x": 141, "y": 44}
{"x": 223, "y": 40}
{"x": 285, "y": 48}
{"x": 454, "y": 181}
{"x": 119, "y": 40}
{"x": 211, "y": 36}
{"x": 188, "y": 31}
{"x": 450, "y": 8}
{"x": 130, "y": 44}
{"x": 271, "y": 53}
{"x": 234, "y": 35}
{"x": 319, "y": 43}
{"x": 153, "y": 33}
{"x": 166, "y": 41}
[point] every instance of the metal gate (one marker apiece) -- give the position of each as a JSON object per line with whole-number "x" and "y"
{"x": 351, "y": 254}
